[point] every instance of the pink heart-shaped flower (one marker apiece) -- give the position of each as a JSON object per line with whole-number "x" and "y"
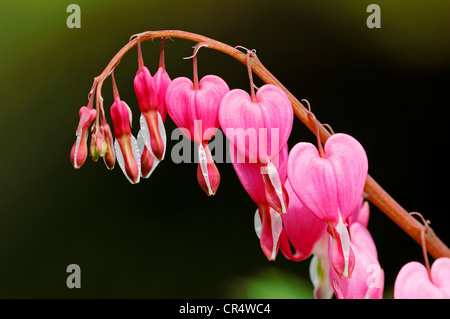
{"x": 413, "y": 281}
{"x": 331, "y": 187}
{"x": 187, "y": 105}
{"x": 367, "y": 279}
{"x": 195, "y": 111}
{"x": 257, "y": 129}
{"x": 268, "y": 223}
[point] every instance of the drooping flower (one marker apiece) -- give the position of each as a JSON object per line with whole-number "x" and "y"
{"x": 414, "y": 281}
{"x": 259, "y": 125}
{"x": 150, "y": 92}
{"x": 110, "y": 157}
{"x": 301, "y": 228}
{"x": 367, "y": 281}
{"x": 98, "y": 145}
{"x": 268, "y": 222}
{"x": 125, "y": 145}
{"x": 193, "y": 106}
{"x": 79, "y": 151}
{"x": 330, "y": 183}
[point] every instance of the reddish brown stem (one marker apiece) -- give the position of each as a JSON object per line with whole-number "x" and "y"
{"x": 424, "y": 243}
{"x": 140, "y": 58}
{"x": 375, "y": 193}
{"x": 250, "y": 76}
{"x": 114, "y": 87}
{"x": 195, "y": 71}
{"x": 161, "y": 55}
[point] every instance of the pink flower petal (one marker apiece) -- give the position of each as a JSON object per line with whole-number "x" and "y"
{"x": 413, "y": 281}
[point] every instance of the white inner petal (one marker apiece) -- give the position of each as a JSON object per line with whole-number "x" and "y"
{"x": 162, "y": 133}
{"x": 314, "y": 271}
{"x": 258, "y": 225}
{"x": 276, "y": 183}
{"x": 145, "y": 133}
{"x": 120, "y": 160}
{"x": 345, "y": 243}
{"x": 277, "y": 227}
{"x": 77, "y": 145}
{"x": 203, "y": 160}
{"x": 146, "y": 136}
{"x": 136, "y": 155}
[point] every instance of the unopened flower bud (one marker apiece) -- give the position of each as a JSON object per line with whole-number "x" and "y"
{"x": 150, "y": 92}
{"x": 95, "y": 154}
{"x": 110, "y": 156}
{"x": 79, "y": 150}
{"x": 125, "y": 145}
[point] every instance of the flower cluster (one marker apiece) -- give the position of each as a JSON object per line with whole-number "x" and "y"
{"x": 309, "y": 199}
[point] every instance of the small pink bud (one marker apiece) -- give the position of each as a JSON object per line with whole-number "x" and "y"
{"x": 120, "y": 118}
{"x": 95, "y": 154}
{"x": 79, "y": 151}
{"x": 100, "y": 144}
{"x": 125, "y": 145}
{"x": 110, "y": 156}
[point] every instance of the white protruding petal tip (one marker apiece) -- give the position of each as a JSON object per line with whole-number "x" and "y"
{"x": 345, "y": 244}
{"x": 258, "y": 224}
{"x": 162, "y": 133}
{"x": 277, "y": 227}
{"x": 203, "y": 160}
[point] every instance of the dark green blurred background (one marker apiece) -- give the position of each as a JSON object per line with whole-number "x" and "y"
{"x": 163, "y": 238}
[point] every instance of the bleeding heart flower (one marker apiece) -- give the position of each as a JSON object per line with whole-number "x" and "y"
{"x": 268, "y": 222}
{"x": 246, "y": 121}
{"x": 415, "y": 282}
{"x": 258, "y": 127}
{"x": 79, "y": 151}
{"x": 110, "y": 157}
{"x": 125, "y": 145}
{"x": 98, "y": 145}
{"x": 367, "y": 279}
{"x": 194, "y": 106}
{"x": 150, "y": 92}
{"x": 330, "y": 183}
{"x": 301, "y": 228}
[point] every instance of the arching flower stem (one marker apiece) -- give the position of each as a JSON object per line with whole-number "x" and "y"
{"x": 374, "y": 192}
